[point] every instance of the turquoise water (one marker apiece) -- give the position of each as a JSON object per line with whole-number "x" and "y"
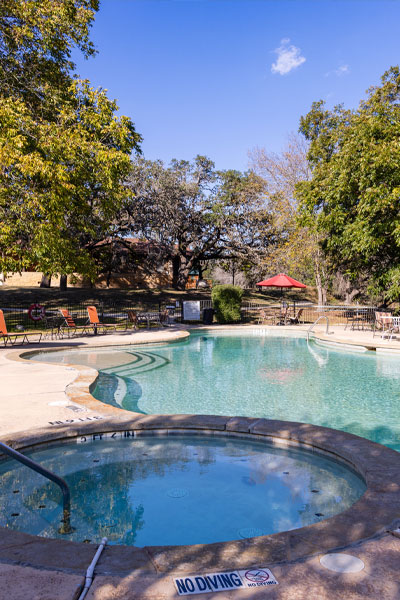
{"x": 175, "y": 490}
{"x": 253, "y": 375}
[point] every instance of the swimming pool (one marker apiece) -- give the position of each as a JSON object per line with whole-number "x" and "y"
{"x": 184, "y": 489}
{"x": 252, "y": 374}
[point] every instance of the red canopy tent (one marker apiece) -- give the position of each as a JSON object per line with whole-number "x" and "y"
{"x": 282, "y": 281}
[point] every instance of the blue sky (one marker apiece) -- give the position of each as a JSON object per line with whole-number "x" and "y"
{"x": 219, "y": 77}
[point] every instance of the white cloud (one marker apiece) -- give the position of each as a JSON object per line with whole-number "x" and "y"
{"x": 339, "y": 72}
{"x": 342, "y": 70}
{"x": 289, "y": 58}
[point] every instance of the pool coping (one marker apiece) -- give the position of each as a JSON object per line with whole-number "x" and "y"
{"x": 375, "y": 512}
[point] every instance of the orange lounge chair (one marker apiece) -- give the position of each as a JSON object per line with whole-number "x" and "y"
{"x": 69, "y": 325}
{"x": 13, "y": 337}
{"x": 96, "y": 323}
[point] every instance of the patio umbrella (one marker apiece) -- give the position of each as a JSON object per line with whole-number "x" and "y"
{"x": 282, "y": 281}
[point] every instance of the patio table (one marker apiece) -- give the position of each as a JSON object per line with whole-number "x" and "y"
{"x": 357, "y": 318}
{"x": 150, "y": 317}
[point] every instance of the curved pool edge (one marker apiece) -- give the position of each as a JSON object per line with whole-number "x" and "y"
{"x": 79, "y": 390}
{"x": 377, "y": 511}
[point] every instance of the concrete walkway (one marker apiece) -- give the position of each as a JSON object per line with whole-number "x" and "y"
{"x": 33, "y": 395}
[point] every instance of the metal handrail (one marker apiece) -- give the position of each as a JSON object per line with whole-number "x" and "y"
{"x": 66, "y": 523}
{"x": 315, "y": 322}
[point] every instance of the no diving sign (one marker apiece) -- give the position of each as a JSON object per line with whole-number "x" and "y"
{"x": 220, "y": 582}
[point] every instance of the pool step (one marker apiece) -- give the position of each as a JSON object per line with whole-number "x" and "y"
{"x": 145, "y": 361}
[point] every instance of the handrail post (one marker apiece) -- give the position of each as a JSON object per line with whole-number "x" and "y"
{"x": 28, "y": 462}
{"x": 309, "y": 330}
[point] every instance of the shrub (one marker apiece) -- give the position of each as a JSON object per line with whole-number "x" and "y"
{"x": 226, "y": 302}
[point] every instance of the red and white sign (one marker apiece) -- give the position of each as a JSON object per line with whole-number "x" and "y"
{"x": 257, "y": 578}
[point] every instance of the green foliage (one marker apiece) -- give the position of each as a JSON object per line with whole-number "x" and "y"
{"x": 226, "y": 302}
{"x": 354, "y": 193}
{"x": 64, "y": 154}
{"x": 36, "y": 41}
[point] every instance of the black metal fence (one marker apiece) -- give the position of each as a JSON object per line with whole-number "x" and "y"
{"x": 309, "y": 313}
{"x": 37, "y": 315}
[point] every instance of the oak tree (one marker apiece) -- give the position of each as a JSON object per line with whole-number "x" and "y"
{"x": 354, "y": 191}
{"x": 196, "y": 213}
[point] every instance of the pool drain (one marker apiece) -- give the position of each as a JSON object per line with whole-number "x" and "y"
{"x": 177, "y": 492}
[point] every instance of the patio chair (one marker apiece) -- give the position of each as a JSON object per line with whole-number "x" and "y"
{"x": 350, "y": 316}
{"x": 13, "y": 337}
{"x": 164, "y": 318}
{"x": 381, "y": 320}
{"x": 134, "y": 319}
{"x": 283, "y": 316}
{"x": 394, "y": 327}
{"x": 95, "y": 322}
{"x": 296, "y": 319}
{"x": 69, "y": 326}
{"x": 264, "y": 316}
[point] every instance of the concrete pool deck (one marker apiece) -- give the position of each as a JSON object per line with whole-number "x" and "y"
{"x": 33, "y": 396}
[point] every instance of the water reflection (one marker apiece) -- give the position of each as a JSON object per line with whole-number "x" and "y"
{"x": 175, "y": 490}
{"x": 256, "y": 376}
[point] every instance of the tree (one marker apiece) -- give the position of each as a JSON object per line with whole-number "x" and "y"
{"x": 36, "y": 41}
{"x": 354, "y": 192}
{"x": 64, "y": 154}
{"x": 196, "y": 213}
{"x": 296, "y": 251}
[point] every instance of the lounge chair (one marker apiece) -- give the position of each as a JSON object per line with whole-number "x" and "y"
{"x": 95, "y": 322}
{"x": 13, "y": 337}
{"x": 296, "y": 319}
{"x": 69, "y": 326}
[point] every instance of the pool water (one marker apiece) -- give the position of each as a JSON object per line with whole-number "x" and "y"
{"x": 255, "y": 375}
{"x": 175, "y": 490}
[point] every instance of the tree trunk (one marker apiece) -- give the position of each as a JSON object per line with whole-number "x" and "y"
{"x": 63, "y": 283}
{"x": 181, "y": 269}
{"x": 321, "y": 288}
{"x": 183, "y": 277}
{"x": 176, "y": 262}
{"x": 46, "y": 281}
{"x": 350, "y": 295}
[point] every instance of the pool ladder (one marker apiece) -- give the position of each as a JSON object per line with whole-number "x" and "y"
{"x": 66, "y": 524}
{"x": 309, "y": 330}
